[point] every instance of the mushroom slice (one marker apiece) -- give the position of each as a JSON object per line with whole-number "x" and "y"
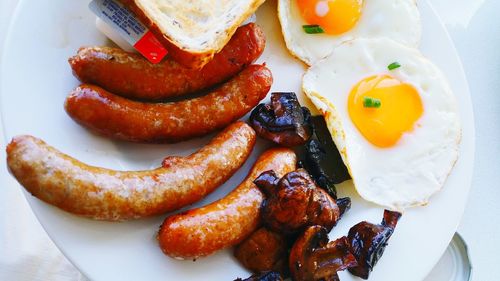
{"x": 323, "y": 160}
{"x": 318, "y": 165}
{"x": 368, "y": 242}
{"x": 263, "y": 276}
{"x": 282, "y": 121}
{"x": 314, "y": 258}
{"x": 344, "y": 205}
{"x": 295, "y": 202}
{"x": 332, "y": 163}
{"x": 264, "y": 250}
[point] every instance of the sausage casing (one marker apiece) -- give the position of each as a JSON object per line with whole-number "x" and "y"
{"x": 226, "y": 222}
{"x": 105, "y": 194}
{"x": 130, "y": 75}
{"x": 120, "y": 118}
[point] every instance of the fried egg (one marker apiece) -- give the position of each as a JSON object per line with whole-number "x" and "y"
{"x": 393, "y": 117}
{"x": 343, "y": 20}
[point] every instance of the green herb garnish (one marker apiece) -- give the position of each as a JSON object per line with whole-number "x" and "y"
{"x": 394, "y": 65}
{"x": 313, "y": 29}
{"x": 371, "y": 102}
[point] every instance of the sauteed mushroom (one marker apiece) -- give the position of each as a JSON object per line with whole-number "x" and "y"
{"x": 295, "y": 202}
{"x": 264, "y": 250}
{"x": 313, "y": 258}
{"x": 315, "y": 163}
{"x": 344, "y": 205}
{"x": 282, "y": 121}
{"x": 368, "y": 242}
{"x": 263, "y": 276}
{"x": 323, "y": 159}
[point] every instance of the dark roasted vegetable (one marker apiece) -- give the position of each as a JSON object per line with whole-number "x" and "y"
{"x": 344, "y": 205}
{"x": 315, "y": 164}
{"x": 282, "y": 121}
{"x": 323, "y": 160}
{"x": 368, "y": 242}
{"x": 295, "y": 202}
{"x": 263, "y": 276}
{"x": 264, "y": 250}
{"x": 313, "y": 258}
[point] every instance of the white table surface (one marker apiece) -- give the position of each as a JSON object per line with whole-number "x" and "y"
{"x": 26, "y": 252}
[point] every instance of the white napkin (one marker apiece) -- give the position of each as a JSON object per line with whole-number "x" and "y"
{"x": 27, "y": 253}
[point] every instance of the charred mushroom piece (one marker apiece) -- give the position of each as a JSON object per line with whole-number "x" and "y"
{"x": 323, "y": 159}
{"x": 283, "y": 121}
{"x": 264, "y": 250}
{"x": 315, "y": 163}
{"x": 344, "y": 205}
{"x": 313, "y": 258}
{"x": 295, "y": 202}
{"x": 267, "y": 182}
{"x": 263, "y": 276}
{"x": 368, "y": 242}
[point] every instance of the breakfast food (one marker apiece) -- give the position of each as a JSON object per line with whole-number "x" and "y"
{"x": 313, "y": 28}
{"x": 323, "y": 160}
{"x": 105, "y": 194}
{"x": 283, "y": 120}
{"x": 393, "y": 117}
{"x": 294, "y": 202}
{"x": 263, "y": 276}
{"x": 193, "y": 31}
{"x": 120, "y": 118}
{"x": 264, "y": 250}
{"x": 367, "y": 242}
{"x": 313, "y": 258}
{"x": 226, "y": 222}
{"x": 124, "y": 93}
{"x": 344, "y": 205}
{"x": 130, "y": 75}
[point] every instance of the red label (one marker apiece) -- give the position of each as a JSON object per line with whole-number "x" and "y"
{"x": 151, "y": 48}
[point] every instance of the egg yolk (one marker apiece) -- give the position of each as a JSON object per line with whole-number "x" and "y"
{"x": 334, "y": 16}
{"x": 400, "y": 107}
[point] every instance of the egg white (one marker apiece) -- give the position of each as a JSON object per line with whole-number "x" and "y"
{"x": 395, "y": 19}
{"x": 410, "y": 172}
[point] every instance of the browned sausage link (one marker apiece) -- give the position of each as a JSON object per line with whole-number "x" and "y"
{"x": 105, "y": 194}
{"x": 120, "y": 118}
{"x": 131, "y": 75}
{"x": 224, "y": 223}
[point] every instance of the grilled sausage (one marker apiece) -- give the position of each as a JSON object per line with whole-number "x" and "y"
{"x": 105, "y": 194}
{"x": 131, "y": 75}
{"x": 120, "y": 118}
{"x": 226, "y": 222}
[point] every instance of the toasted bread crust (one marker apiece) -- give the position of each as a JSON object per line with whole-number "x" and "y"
{"x": 190, "y": 58}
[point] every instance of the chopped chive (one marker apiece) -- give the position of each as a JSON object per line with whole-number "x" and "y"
{"x": 394, "y": 65}
{"x": 313, "y": 29}
{"x": 371, "y": 102}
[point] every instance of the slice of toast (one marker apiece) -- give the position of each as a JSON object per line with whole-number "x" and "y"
{"x": 193, "y": 30}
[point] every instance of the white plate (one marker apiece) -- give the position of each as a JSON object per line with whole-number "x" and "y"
{"x": 35, "y": 78}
